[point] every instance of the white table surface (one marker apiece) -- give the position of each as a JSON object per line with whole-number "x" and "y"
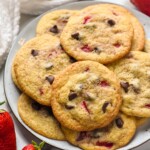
{"x": 23, "y": 136}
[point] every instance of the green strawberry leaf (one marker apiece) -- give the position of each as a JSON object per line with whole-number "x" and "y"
{"x": 42, "y": 144}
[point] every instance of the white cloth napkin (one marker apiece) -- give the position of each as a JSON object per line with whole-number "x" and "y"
{"x": 9, "y": 26}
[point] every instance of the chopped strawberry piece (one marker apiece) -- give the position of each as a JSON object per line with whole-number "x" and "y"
{"x": 84, "y": 105}
{"x": 147, "y": 105}
{"x": 41, "y": 91}
{"x": 86, "y": 48}
{"x": 86, "y": 19}
{"x": 81, "y": 136}
{"x": 117, "y": 45}
{"x": 87, "y": 69}
{"x": 104, "y": 83}
{"x": 106, "y": 144}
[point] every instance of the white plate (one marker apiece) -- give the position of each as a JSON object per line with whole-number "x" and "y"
{"x": 12, "y": 93}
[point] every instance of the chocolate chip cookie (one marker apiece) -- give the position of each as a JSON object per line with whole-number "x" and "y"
{"x": 37, "y": 64}
{"x": 97, "y": 34}
{"x": 116, "y": 135}
{"x": 85, "y": 96}
{"x": 40, "y": 118}
{"x": 133, "y": 72}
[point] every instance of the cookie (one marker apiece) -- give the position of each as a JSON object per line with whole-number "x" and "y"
{"x": 116, "y": 135}
{"x": 54, "y": 22}
{"x": 39, "y": 118}
{"x": 98, "y": 35}
{"x": 140, "y": 121}
{"x": 147, "y": 46}
{"x": 139, "y": 34}
{"x": 38, "y": 62}
{"x": 133, "y": 72}
{"x": 85, "y": 96}
{"x": 14, "y": 77}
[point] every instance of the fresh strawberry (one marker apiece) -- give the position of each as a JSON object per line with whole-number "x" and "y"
{"x": 7, "y": 131}
{"x": 34, "y": 146}
{"x": 143, "y": 5}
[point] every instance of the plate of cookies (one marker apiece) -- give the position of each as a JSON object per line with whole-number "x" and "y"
{"x": 78, "y": 77}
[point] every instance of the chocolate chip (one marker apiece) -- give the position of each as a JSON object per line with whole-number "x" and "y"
{"x": 97, "y": 50}
{"x": 54, "y": 29}
{"x": 34, "y": 52}
{"x": 50, "y": 79}
{"x": 76, "y": 36}
{"x": 69, "y": 106}
{"x": 111, "y": 22}
{"x": 125, "y": 86}
{"x": 119, "y": 122}
{"x": 72, "y": 95}
{"x": 105, "y": 106}
{"x": 72, "y": 60}
{"x": 36, "y": 106}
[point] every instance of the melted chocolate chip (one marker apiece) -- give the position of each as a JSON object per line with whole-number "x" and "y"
{"x": 34, "y": 52}
{"x": 119, "y": 122}
{"x": 111, "y": 22}
{"x": 50, "y": 79}
{"x": 105, "y": 106}
{"x": 36, "y": 106}
{"x": 76, "y": 36}
{"x": 125, "y": 86}
{"x": 72, "y": 95}
{"x": 54, "y": 29}
{"x": 69, "y": 106}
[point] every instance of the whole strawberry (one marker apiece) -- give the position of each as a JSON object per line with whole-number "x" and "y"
{"x": 143, "y": 5}
{"x": 34, "y": 146}
{"x": 7, "y": 131}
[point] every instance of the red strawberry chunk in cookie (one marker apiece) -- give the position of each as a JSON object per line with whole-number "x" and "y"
{"x": 147, "y": 105}
{"x": 106, "y": 144}
{"x": 84, "y": 105}
{"x": 117, "y": 45}
{"x": 41, "y": 91}
{"x": 86, "y": 19}
{"x": 86, "y": 48}
{"x": 104, "y": 83}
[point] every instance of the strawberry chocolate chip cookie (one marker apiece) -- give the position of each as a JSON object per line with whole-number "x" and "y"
{"x": 36, "y": 65}
{"x": 133, "y": 72}
{"x": 86, "y": 96}
{"x": 97, "y": 34}
{"x": 115, "y": 135}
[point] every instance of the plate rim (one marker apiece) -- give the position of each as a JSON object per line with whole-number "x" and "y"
{"x": 17, "y": 39}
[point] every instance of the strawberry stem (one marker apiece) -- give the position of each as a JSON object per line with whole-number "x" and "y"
{"x": 38, "y": 147}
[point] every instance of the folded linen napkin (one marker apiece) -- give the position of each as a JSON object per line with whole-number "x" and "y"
{"x": 9, "y": 26}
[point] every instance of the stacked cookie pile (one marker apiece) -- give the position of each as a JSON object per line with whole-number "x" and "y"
{"x": 85, "y": 71}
